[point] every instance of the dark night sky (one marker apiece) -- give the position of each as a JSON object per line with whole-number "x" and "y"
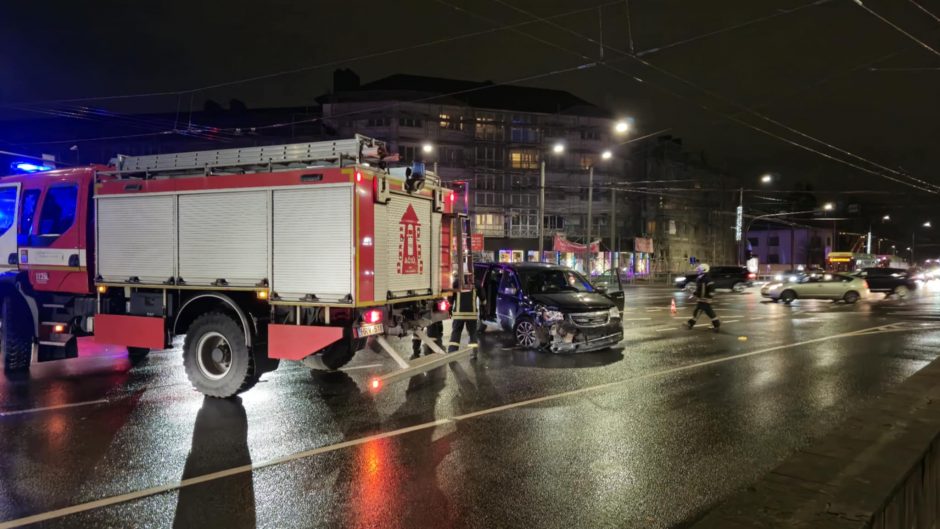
{"x": 67, "y": 49}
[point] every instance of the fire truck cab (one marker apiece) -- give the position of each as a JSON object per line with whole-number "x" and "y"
{"x": 293, "y": 252}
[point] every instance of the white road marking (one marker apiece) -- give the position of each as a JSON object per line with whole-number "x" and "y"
{"x": 167, "y": 487}
{"x": 637, "y": 319}
{"x": 57, "y": 407}
{"x": 708, "y": 324}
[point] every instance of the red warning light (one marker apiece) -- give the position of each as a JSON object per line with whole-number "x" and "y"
{"x": 358, "y": 176}
{"x": 372, "y": 316}
{"x": 375, "y": 384}
{"x": 443, "y": 305}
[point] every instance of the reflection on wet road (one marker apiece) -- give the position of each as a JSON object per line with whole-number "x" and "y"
{"x": 648, "y": 434}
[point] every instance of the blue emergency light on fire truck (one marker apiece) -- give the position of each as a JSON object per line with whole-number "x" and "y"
{"x": 288, "y": 252}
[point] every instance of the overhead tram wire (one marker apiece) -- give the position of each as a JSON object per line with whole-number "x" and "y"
{"x": 922, "y": 8}
{"x": 779, "y": 13}
{"x": 99, "y": 115}
{"x": 898, "y": 28}
{"x": 327, "y": 64}
{"x": 542, "y": 75}
{"x": 933, "y": 188}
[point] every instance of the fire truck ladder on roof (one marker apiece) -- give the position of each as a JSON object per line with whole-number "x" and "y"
{"x": 251, "y": 159}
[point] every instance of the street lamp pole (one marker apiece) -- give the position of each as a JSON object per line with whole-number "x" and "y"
{"x": 587, "y": 260}
{"x": 541, "y": 220}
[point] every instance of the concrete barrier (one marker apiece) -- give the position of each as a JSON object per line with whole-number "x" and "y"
{"x": 880, "y": 469}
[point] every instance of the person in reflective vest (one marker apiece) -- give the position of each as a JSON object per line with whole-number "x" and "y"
{"x": 704, "y": 290}
{"x": 464, "y": 315}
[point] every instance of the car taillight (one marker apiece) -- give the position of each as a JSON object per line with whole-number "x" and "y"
{"x": 865, "y": 283}
{"x": 372, "y": 316}
{"x": 443, "y": 305}
{"x": 752, "y": 275}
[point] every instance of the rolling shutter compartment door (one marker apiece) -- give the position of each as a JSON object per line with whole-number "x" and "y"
{"x": 313, "y": 246}
{"x": 381, "y": 250}
{"x": 224, "y": 236}
{"x": 137, "y": 238}
{"x": 409, "y": 264}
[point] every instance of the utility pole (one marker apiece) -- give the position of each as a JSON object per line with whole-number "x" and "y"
{"x": 613, "y": 227}
{"x": 587, "y": 260}
{"x": 739, "y": 221}
{"x": 542, "y": 211}
{"x": 868, "y": 240}
{"x": 913, "y": 245}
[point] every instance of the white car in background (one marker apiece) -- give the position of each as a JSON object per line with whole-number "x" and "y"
{"x": 835, "y": 287}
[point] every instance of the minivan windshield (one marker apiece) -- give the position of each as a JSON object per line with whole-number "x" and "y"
{"x": 542, "y": 281}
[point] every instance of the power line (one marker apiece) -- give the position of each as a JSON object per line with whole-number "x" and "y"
{"x": 327, "y": 64}
{"x": 779, "y": 13}
{"x": 575, "y": 68}
{"x": 922, "y": 8}
{"x": 933, "y": 188}
{"x": 363, "y": 110}
{"x": 920, "y": 69}
{"x": 897, "y": 28}
{"x": 626, "y": 5}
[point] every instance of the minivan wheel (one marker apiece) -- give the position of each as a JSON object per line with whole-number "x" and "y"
{"x": 901, "y": 291}
{"x": 851, "y": 297}
{"x": 526, "y": 334}
{"x": 787, "y": 296}
{"x": 739, "y": 287}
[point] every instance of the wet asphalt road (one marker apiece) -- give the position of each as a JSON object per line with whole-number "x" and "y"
{"x": 650, "y": 434}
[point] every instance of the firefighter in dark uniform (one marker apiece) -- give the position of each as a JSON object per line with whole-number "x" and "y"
{"x": 464, "y": 305}
{"x": 704, "y": 290}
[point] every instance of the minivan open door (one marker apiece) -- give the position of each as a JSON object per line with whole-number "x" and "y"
{"x": 609, "y": 284}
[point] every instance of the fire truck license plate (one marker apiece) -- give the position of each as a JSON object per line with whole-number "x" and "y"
{"x": 369, "y": 330}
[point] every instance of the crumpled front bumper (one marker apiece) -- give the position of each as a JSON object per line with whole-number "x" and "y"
{"x": 574, "y": 339}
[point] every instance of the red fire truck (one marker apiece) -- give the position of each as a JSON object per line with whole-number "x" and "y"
{"x": 294, "y": 252}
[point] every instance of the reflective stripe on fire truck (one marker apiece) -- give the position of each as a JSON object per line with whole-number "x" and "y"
{"x": 52, "y": 257}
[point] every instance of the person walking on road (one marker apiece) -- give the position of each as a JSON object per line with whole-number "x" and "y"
{"x": 464, "y": 315}
{"x": 704, "y": 291}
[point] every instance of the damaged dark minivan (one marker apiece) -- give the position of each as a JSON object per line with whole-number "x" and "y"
{"x": 551, "y": 307}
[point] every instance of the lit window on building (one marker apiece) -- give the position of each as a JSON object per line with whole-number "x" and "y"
{"x": 524, "y": 159}
{"x": 450, "y": 122}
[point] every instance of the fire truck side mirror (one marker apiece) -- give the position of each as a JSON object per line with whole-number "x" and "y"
{"x": 380, "y": 190}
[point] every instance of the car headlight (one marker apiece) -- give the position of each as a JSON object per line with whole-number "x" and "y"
{"x": 778, "y": 277}
{"x": 551, "y": 314}
{"x": 680, "y": 279}
{"x": 614, "y": 313}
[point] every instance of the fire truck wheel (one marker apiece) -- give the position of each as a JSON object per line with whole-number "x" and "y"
{"x": 338, "y": 354}
{"x": 217, "y": 360}
{"x": 16, "y": 340}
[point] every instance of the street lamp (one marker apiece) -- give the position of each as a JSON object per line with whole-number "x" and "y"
{"x": 828, "y": 206}
{"x": 606, "y": 155}
{"x": 927, "y": 224}
{"x": 557, "y": 149}
{"x": 767, "y": 178}
{"x": 622, "y": 126}
{"x": 426, "y": 148}
{"x": 886, "y": 218}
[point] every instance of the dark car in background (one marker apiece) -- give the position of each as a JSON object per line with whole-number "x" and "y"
{"x": 896, "y": 281}
{"x": 550, "y": 306}
{"x": 735, "y": 278}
